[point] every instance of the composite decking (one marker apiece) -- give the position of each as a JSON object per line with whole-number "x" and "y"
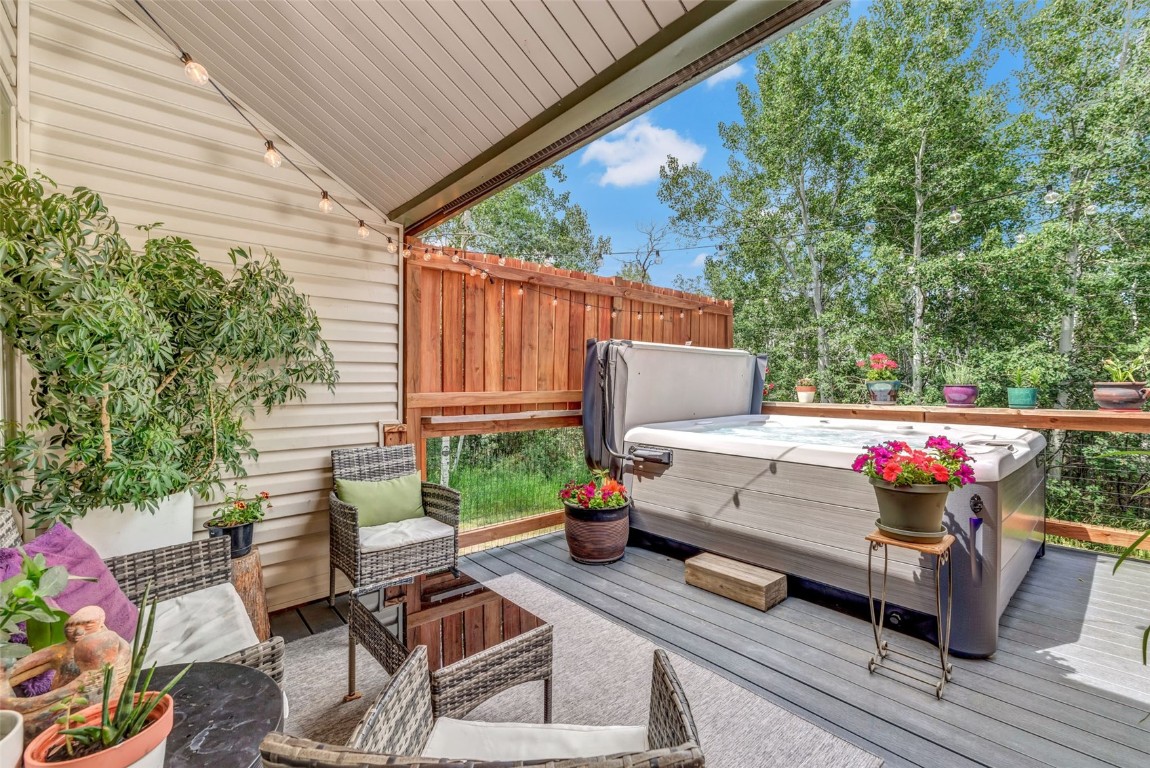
{"x": 1066, "y": 688}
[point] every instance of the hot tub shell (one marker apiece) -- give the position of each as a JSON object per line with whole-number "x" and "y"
{"x": 778, "y": 491}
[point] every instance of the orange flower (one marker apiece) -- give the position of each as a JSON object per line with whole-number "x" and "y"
{"x": 240, "y": 505}
{"x": 265, "y": 495}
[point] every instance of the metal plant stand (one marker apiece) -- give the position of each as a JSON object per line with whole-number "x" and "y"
{"x": 941, "y": 553}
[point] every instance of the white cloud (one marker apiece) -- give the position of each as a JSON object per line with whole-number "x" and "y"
{"x": 700, "y": 260}
{"x": 631, "y": 155}
{"x": 733, "y": 72}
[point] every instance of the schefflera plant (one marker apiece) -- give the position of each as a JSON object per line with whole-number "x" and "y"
{"x": 146, "y": 361}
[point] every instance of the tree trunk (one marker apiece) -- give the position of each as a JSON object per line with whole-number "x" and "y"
{"x": 916, "y": 338}
{"x": 822, "y": 343}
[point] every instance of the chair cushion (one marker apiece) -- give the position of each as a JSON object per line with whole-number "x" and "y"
{"x": 383, "y": 501}
{"x": 402, "y": 534}
{"x": 204, "y": 625}
{"x": 61, "y": 546}
{"x": 509, "y": 742}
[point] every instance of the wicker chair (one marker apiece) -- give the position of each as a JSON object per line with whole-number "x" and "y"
{"x": 396, "y": 728}
{"x": 368, "y": 569}
{"x": 175, "y": 571}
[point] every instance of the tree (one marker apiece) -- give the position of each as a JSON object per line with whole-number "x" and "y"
{"x": 530, "y": 221}
{"x": 638, "y": 267}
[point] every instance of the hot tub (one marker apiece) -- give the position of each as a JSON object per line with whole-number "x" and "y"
{"x": 778, "y": 491}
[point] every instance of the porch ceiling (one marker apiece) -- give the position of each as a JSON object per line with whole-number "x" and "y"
{"x": 425, "y": 108}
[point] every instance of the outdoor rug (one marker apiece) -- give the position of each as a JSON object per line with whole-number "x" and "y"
{"x": 602, "y": 677}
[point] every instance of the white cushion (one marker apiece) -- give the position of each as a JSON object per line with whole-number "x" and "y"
{"x": 204, "y": 625}
{"x": 466, "y": 739}
{"x": 411, "y": 531}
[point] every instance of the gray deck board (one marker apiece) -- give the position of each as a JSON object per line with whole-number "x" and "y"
{"x": 1066, "y": 688}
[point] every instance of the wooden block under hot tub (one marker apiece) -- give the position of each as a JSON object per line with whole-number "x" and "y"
{"x": 747, "y": 584}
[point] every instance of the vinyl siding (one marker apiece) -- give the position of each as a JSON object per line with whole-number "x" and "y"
{"x": 8, "y": 45}
{"x": 111, "y": 110}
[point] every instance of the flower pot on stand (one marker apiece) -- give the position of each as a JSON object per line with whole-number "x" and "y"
{"x": 241, "y": 536}
{"x": 1120, "y": 395}
{"x": 911, "y": 513}
{"x": 1022, "y": 397}
{"x": 883, "y": 392}
{"x": 960, "y": 395}
{"x": 596, "y": 536}
{"x": 11, "y": 738}
{"x": 144, "y": 750}
{"x": 806, "y": 394}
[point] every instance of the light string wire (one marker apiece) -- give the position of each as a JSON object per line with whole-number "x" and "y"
{"x": 185, "y": 57}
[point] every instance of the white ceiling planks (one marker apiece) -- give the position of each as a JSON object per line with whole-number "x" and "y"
{"x": 424, "y": 107}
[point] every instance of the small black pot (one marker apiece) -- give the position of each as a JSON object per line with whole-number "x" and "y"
{"x": 241, "y": 536}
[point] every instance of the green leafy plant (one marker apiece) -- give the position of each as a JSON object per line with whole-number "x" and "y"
{"x": 25, "y": 599}
{"x": 1128, "y": 369}
{"x": 603, "y": 492}
{"x": 131, "y": 710}
{"x": 238, "y": 509}
{"x": 1025, "y": 377}
{"x": 806, "y": 381}
{"x": 960, "y": 374}
{"x": 146, "y": 362}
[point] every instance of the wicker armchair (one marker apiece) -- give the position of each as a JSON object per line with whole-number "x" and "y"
{"x": 368, "y": 569}
{"x": 396, "y": 728}
{"x": 175, "y": 571}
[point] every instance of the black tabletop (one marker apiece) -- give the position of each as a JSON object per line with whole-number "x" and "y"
{"x": 223, "y": 711}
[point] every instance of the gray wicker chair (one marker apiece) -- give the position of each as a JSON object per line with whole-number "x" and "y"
{"x": 175, "y": 571}
{"x": 368, "y": 569}
{"x": 397, "y": 726}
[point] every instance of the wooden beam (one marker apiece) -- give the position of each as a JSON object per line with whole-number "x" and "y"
{"x": 489, "y": 423}
{"x": 488, "y": 533}
{"x": 1044, "y": 418}
{"x": 441, "y": 399}
{"x": 1097, "y": 534}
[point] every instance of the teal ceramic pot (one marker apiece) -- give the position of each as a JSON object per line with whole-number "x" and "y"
{"x": 1022, "y": 397}
{"x": 883, "y": 392}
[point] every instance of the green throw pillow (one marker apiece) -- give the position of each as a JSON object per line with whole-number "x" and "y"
{"x": 383, "y": 501}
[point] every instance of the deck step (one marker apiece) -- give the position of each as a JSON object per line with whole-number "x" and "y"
{"x": 743, "y": 583}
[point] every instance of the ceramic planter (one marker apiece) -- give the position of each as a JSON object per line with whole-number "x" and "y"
{"x": 145, "y": 750}
{"x": 806, "y": 394}
{"x": 960, "y": 395}
{"x": 1120, "y": 395}
{"x": 136, "y": 529}
{"x": 883, "y": 392}
{"x": 1022, "y": 397}
{"x": 241, "y": 536}
{"x": 911, "y": 513}
{"x": 11, "y": 738}
{"x": 596, "y": 536}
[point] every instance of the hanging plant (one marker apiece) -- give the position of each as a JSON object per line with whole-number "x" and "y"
{"x": 147, "y": 361}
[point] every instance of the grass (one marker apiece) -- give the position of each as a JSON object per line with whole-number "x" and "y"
{"x": 495, "y": 495}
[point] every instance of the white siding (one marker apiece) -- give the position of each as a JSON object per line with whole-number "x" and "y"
{"x": 8, "y": 45}
{"x": 111, "y": 110}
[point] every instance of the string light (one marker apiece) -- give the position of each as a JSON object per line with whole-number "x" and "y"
{"x": 682, "y": 314}
{"x": 869, "y": 228}
{"x": 195, "y": 71}
{"x": 362, "y": 231}
{"x": 660, "y": 315}
{"x": 427, "y": 255}
{"x": 587, "y": 308}
{"x": 640, "y": 315}
{"x": 501, "y": 261}
{"x": 271, "y": 156}
{"x": 325, "y": 203}
{"x": 473, "y": 271}
{"x": 955, "y": 216}
{"x": 455, "y": 258}
{"x": 554, "y": 301}
{"x": 614, "y": 314}
{"x": 520, "y": 290}
{"x": 391, "y": 246}
{"x": 406, "y": 253}
{"x": 485, "y": 275}
{"x": 1090, "y": 209}
{"x": 1051, "y": 197}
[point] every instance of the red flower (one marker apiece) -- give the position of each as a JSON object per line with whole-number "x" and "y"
{"x": 265, "y": 495}
{"x": 891, "y": 471}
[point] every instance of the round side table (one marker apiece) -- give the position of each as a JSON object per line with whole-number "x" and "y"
{"x": 223, "y": 712}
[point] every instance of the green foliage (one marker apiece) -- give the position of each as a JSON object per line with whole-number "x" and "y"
{"x": 1127, "y": 369}
{"x": 237, "y": 508}
{"x": 25, "y": 598}
{"x": 959, "y": 373}
{"x": 147, "y": 361}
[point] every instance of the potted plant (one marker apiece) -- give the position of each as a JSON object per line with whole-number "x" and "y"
{"x": 1126, "y": 390}
{"x": 882, "y": 384}
{"x": 128, "y": 730}
{"x": 1024, "y": 393}
{"x": 147, "y": 363}
{"x": 959, "y": 389}
{"x": 595, "y": 519}
{"x": 236, "y": 517}
{"x": 805, "y": 390}
{"x": 911, "y": 485}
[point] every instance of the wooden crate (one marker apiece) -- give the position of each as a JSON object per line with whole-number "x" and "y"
{"x": 747, "y": 584}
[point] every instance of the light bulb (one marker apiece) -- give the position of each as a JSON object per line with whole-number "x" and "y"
{"x": 955, "y": 215}
{"x": 587, "y": 308}
{"x": 700, "y": 311}
{"x": 455, "y": 258}
{"x": 1051, "y": 197}
{"x": 791, "y": 245}
{"x": 271, "y": 156}
{"x": 502, "y": 261}
{"x": 1090, "y": 209}
{"x": 660, "y": 315}
{"x": 1020, "y": 238}
{"x": 682, "y": 314}
{"x": 554, "y": 301}
{"x": 427, "y": 255}
{"x": 614, "y": 314}
{"x": 869, "y": 228}
{"x": 392, "y": 246}
{"x": 473, "y": 272}
{"x": 363, "y": 231}
{"x": 485, "y": 274}
{"x": 195, "y": 71}
{"x": 407, "y": 253}
{"x": 325, "y": 203}
{"x": 640, "y": 316}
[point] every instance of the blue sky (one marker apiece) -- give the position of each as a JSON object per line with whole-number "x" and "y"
{"x": 616, "y": 178}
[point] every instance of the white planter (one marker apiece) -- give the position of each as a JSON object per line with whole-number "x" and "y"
{"x": 11, "y": 738}
{"x": 113, "y": 533}
{"x": 805, "y": 397}
{"x": 154, "y": 759}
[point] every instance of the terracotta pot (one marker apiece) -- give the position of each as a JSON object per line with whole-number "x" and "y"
{"x": 144, "y": 749}
{"x": 883, "y": 392}
{"x": 960, "y": 395}
{"x": 241, "y": 536}
{"x": 806, "y": 394}
{"x": 1120, "y": 395}
{"x": 911, "y": 513}
{"x": 596, "y": 536}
